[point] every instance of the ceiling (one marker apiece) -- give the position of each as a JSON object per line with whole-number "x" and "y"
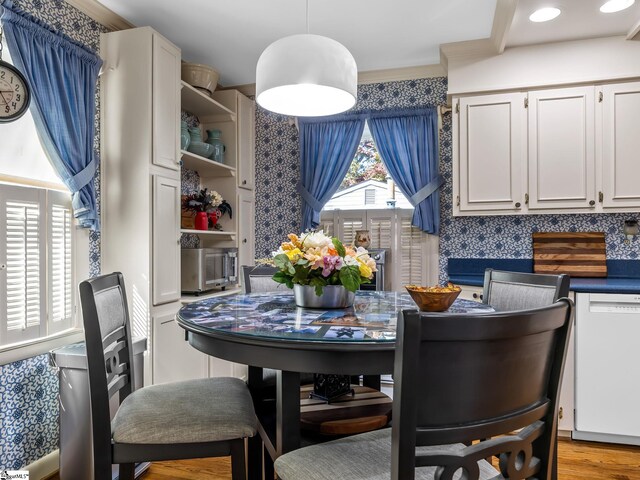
{"x": 381, "y": 34}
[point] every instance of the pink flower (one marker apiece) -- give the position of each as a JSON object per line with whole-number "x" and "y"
{"x": 331, "y": 263}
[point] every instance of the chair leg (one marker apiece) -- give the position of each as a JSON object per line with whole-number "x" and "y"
{"x": 254, "y": 460}
{"x": 238, "y": 470}
{"x": 126, "y": 471}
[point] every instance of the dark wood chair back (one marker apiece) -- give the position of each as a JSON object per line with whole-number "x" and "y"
{"x": 109, "y": 355}
{"x": 517, "y": 291}
{"x": 460, "y": 378}
{"x": 258, "y": 278}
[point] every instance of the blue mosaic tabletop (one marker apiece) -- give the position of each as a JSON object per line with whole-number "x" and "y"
{"x": 275, "y": 315}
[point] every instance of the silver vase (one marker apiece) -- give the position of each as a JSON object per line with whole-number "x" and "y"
{"x": 333, "y": 296}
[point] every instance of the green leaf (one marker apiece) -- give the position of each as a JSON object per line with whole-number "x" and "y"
{"x": 339, "y": 247}
{"x": 350, "y": 277}
{"x": 319, "y": 283}
{"x": 283, "y": 263}
{"x": 281, "y": 277}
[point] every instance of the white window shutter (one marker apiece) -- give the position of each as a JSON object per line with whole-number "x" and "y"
{"x": 412, "y": 254}
{"x": 60, "y": 306}
{"x": 23, "y": 255}
{"x": 381, "y": 228}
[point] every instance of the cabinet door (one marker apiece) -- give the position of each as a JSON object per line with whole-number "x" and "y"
{"x": 567, "y": 390}
{"x": 173, "y": 358}
{"x": 246, "y": 142}
{"x": 620, "y": 145}
{"x": 562, "y": 148}
{"x": 246, "y": 227}
{"x": 491, "y": 153}
{"x": 166, "y": 241}
{"x": 166, "y": 104}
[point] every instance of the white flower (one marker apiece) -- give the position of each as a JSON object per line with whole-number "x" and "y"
{"x": 216, "y": 199}
{"x": 349, "y": 260}
{"x": 316, "y": 240}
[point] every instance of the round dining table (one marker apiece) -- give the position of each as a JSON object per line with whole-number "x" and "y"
{"x": 268, "y": 330}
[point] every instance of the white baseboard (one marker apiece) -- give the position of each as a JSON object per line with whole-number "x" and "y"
{"x": 45, "y": 466}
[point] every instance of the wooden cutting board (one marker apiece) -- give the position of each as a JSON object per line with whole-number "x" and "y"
{"x": 577, "y": 254}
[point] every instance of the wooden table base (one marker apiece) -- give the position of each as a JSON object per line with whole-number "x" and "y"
{"x": 367, "y": 410}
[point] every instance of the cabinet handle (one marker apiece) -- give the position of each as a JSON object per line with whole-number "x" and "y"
{"x": 592, "y": 203}
{"x": 244, "y": 240}
{"x": 517, "y": 204}
{"x": 244, "y": 182}
{"x": 560, "y": 413}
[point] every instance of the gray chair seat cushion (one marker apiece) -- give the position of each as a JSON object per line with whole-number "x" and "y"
{"x": 203, "y": 410}
{"x": 361, "y": 457}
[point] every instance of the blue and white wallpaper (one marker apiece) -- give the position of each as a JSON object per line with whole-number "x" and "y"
{"x": 29, "y": 388}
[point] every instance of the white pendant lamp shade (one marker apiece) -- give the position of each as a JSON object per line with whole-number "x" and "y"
{"x": 306, "y": 76}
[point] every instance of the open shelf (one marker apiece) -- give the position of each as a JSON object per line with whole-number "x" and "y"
{"x": 201, "y": 105}
{"x": 206, "y": 167}
{"x": 211, "y": 233}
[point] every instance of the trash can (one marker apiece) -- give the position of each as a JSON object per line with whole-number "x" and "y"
{"x": 76, "y": 441}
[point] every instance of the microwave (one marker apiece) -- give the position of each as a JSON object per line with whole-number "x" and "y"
{"x": 208, "y": 268}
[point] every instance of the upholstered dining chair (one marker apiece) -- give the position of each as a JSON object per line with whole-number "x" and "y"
{"x": 189, "y": 419}
{"x": 516, "y": 291}
{"x": 459, "y": 378}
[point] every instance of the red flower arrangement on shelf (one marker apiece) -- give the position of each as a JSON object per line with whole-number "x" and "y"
{"x": 208, "y": 207}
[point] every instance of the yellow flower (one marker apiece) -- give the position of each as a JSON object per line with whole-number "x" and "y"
{"x": 294, "y": 240}
{"x": 293, "y": 254}
{"x": 365, "y": 270}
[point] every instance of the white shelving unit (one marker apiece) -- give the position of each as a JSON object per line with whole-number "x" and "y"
{"x": 201, "y": 105}
{"x": 206, "y": 167}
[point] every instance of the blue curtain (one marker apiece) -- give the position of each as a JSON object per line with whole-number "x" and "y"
{"x": 62, "y": 76}
{"x": 408, "y": 145}
{"x": 327, "y": 147}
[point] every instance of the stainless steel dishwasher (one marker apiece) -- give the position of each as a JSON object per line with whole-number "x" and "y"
{"x": 607, "y": 367}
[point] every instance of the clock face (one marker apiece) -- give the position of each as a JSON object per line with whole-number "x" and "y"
{"x": 14, "y": 93}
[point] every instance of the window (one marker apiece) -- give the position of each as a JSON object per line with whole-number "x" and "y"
{"x": 36, "y": 242}
{"x": 36, "y": 252}
{"x": 368, "y": 200}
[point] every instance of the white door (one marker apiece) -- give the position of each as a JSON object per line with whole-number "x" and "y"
{"x": 620, "y": 145}
{"x": 166, "y": 240}
{"x": 562, "y": 148}
{"x": 246, "y": 227}
{"x": 173, "y": 358}
{"x": 491, "y": 153}
{"x": 246, "y": 142}
{"x": 166, "y": 103}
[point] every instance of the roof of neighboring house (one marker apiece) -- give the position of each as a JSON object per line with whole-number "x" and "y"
{"x": 358, "y": 186}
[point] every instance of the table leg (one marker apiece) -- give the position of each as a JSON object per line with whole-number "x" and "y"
{"x": 269, "y": 472}
{"x": 287, "y": 411}
{"x": 254, "y": 448}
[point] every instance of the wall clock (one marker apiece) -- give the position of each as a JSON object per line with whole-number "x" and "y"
{"x": 14, "y": 93}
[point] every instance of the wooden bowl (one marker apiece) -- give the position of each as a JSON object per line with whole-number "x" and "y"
{"x": 432, "y": 301}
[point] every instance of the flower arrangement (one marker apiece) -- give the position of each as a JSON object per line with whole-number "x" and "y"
{"x": 318, "y": 260}
{"x": 208, "y": 202}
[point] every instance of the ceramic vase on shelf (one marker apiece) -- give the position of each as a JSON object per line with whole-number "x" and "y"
{"x": 333, "y": 296}
{"x": 196, "y": 134}
{"x": 185, "y": 138}
{"x": 213, "y": 218}
{"x": 202, "y": 222}
{"x": 213, "y": 139}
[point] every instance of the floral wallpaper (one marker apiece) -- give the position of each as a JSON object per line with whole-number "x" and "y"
{"x": 29, "y": 388}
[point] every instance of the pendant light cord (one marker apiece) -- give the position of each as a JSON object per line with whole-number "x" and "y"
{"x": 307, "y": 17}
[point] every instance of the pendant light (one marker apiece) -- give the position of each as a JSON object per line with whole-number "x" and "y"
{"x": 306, "y": 76}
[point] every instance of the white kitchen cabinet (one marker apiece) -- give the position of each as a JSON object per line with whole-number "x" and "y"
{"x": 165, "y": 103}
{"x": 469, "y": 292}
{"x": 490, "y": 136}
{"x": 246, "y": 142}
{"x": 246, "y": 228}
{"x": 173, "y": 358}
{"x": 620, "y": 145}
{"x": 166, "y": 239}
{"x": 578, "y": 151}
{"x": 561, "y": 139}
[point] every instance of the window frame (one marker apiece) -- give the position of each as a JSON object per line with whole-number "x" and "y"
{"x": 49, "y": 338}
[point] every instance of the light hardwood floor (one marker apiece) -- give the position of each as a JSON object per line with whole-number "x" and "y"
{"x": 577, "y": 461}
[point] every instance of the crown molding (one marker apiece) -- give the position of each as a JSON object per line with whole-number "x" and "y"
{"x": 371, "y": 76}
{"x": 101, "y": 14}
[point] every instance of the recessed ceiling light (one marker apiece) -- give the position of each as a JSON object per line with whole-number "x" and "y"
{"x": 544, "y": 14}
{"x": 616, "y": 5}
